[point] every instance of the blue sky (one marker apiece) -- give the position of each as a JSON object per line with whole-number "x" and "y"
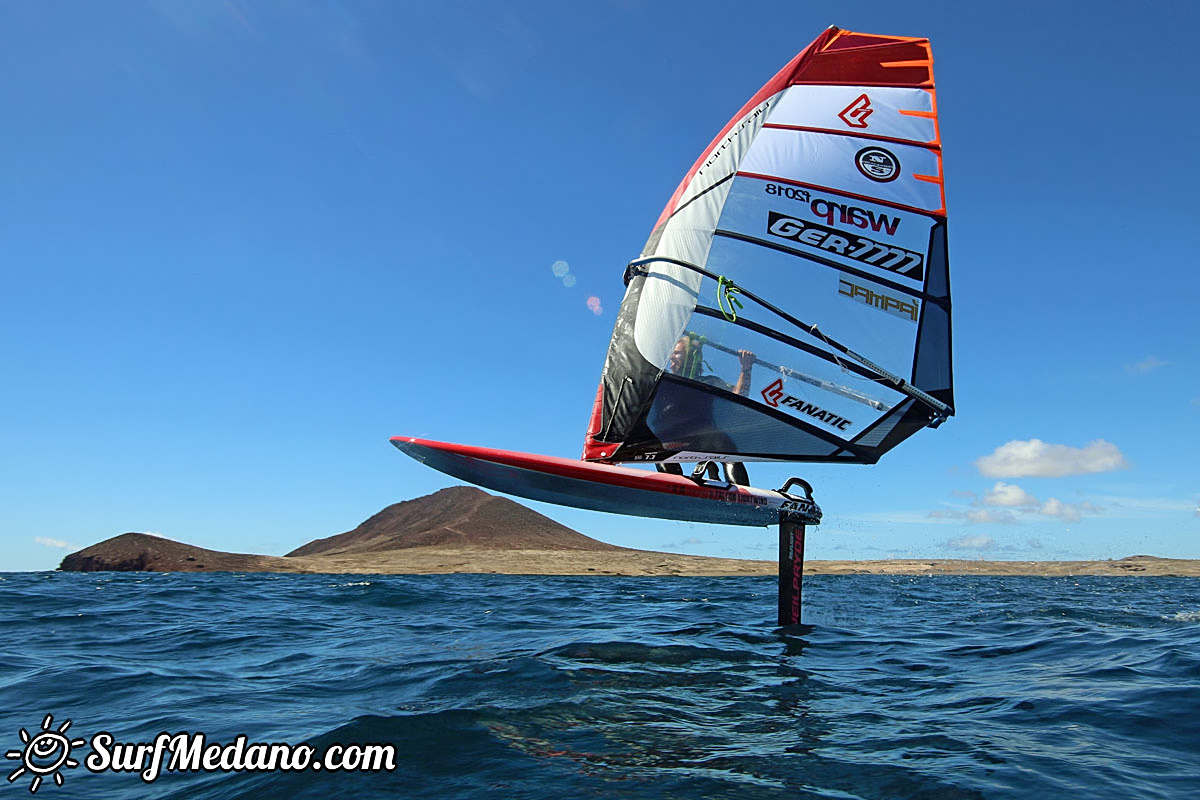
{"x": 246, "y": 242}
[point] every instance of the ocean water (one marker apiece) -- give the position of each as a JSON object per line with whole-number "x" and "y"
{"x": 582, "y": 687}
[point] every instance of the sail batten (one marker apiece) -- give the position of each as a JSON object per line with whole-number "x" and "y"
{"x": 822, "y": 205}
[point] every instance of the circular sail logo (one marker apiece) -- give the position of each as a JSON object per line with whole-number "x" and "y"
{"x": 877, "y": 164}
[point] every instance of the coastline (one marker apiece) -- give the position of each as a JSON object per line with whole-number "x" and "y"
{"x": 465, "y": 530}
{"x": 436, "y": 560}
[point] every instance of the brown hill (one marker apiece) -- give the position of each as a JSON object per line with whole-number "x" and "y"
{"x": 137, "y": 552}
{"x": 460, "y": 517}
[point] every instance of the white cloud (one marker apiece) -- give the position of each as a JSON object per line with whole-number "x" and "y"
{"x": 1060, "y": 510}
{"x": 1147, "y": 364}
{"x": 1008, "y": 495}
{"x": 987, "y": 515}
{"x": 1036, "y": 544}
{"x": 972, "y": 543}
{"x": 1009, "y": 504}
{"x": 45, "y": 541}
{"x": 981, "y": 516}
{"x": 1038, "y": 459}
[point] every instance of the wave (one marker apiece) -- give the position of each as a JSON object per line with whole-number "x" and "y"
{"x": 545, "y": 687}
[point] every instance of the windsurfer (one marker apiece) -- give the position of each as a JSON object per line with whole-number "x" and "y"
{"x": 686, "y": 360}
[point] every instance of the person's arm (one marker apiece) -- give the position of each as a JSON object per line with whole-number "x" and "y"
{"x": 746, "y": 361}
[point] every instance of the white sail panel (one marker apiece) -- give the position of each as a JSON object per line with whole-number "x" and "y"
{"x": 719, "y": 163}
{"x": 670, "y": 298}
{"x": 890, "y": 112}
{"x": 896, "y": 173}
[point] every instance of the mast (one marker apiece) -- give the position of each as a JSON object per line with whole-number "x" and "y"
{"x": 793, "y": 518}
{"x": 791, "y": 568}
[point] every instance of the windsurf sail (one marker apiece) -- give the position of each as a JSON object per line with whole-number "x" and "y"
{"x": 793, "y": 300}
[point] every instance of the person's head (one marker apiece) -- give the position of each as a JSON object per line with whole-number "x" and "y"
{"x": 684, "y": 357}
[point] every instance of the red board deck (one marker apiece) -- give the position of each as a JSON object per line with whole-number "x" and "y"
{"x": 607, "y": 487}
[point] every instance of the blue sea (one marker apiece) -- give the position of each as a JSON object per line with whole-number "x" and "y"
{"x": 595, "y": 687}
